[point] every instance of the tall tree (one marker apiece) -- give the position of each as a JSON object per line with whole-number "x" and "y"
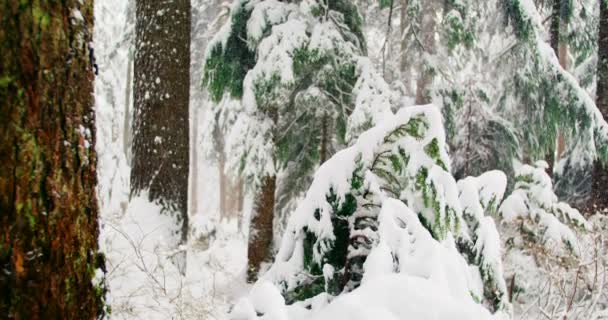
{"x": 161, "y": 97}
{"x": 599, "y": 192}
{"x": 48, "y": 220}
{"x": 428, "y": 25}
{"x": 561, "y": 12}
{"x": 303, "y": 89}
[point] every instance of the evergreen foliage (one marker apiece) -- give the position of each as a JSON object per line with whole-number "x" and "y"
{"x": 536, "y": 216}
{"x": 501, "y": 86}
{"x": 336, "y": 227}
{"x": 295, "y": 67}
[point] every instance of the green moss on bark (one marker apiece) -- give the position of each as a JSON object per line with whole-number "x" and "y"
{"x": 48, "y": 226}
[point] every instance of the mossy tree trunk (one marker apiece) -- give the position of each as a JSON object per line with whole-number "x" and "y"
{"x": 48, "y": 207}
{"x": 161, "y": 99}
{"x": 599, "y": 191}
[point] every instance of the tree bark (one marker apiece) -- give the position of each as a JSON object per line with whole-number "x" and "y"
{"x": 261, "y": 228}
{"x": 161, "y": 99}
{"x": 404, "y": 64}
{"x": 428, "y": 26}
{"x": 324, "y": 150}
{"x": 48, "y": 206}
{"x": 561, "y": 51}
{"x": 599, "y": 191}
{"x": 223, "y": 181}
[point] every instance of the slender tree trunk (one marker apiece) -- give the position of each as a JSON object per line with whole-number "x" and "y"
{"x": 194, "y": 158}
{"x": 554, "y": 31}
{"x": 261, "y": 229}
{"x": 428, "y": 26}
{"x": 161, "y": 93}
{"x": 240, "y": 191}
{"x": 404, "y": 64}
{"x": 223, "y": 182}
{"x": 599, "y": 191}
{"x": 324, "y": 152}
{"x": 563, "y": 61}
{"x": 127, "y": 139}
{"x": 48, "y": 206}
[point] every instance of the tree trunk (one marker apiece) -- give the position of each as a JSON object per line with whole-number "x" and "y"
{"x": 404, "y": 64}
{"x": 194, "y": 159}
{"x": 127, "y": 139}
{"x": 223, "y": 182}
{"x": 48, "y": 206}
{"x": 554, "y": 31}
{"x": 261, "y": 228}
{"x": 324, "y": 151}
{"x": 599, "y": 191}
{"x": 161, "y": 96}
{"x": 428, "y": 26}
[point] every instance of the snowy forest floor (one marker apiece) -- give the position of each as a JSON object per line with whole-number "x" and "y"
{"x": 142, "y": 277}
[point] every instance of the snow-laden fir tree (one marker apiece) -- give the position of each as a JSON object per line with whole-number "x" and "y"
{"x": 547, "y": 244}
{"x": 504, "y": 93}
{"x": 537, "y": 215}
{"x": 388, "y": 205}
{"x": 304, "y": 90}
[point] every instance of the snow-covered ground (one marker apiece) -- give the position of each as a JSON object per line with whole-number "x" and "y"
{"x": 139, "y": 242}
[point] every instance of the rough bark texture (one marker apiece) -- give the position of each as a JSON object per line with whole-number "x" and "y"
{"x": 48, "y": 207}
{"x": 260, "y": 231}
{"x": 599, "y": 191}
{"x": 161, "y": 96}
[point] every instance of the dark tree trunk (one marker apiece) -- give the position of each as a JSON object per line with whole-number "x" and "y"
{"x": 261, "y": 228}
{"x": 161, "y": 96}
{"x": 48, "y": 207}
{"x": 599, "y": 191}
{"x": 555, "y": 30}
{"x": 324, "y": 150}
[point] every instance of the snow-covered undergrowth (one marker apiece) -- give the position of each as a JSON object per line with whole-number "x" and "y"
{"x": 555, "y": 260}
{"x": 142, "y": 278}
{"x": 418, "y": 245}
{"x": 137, "y": 241}
{"x": 387, "y": 211}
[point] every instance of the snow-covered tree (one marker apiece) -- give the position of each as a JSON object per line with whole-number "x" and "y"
{"x": 161, "y": 162}
{"x": 534, "y": 210}
{"x": 547, "y": 245}
{"x": 388, "y": 205}
{"x": 500, "y": 85}
{"x": 299, "y": 73}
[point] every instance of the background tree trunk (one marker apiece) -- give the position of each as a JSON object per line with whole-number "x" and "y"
{"x": 558, "y": 30}
{"x": 48, "y": 206}
{"x": 404, "y": 63}
{"x": 261, "y": 228}
{"x": 161, "y": 96}
{"x": 554, "y": 31}
{"x": 599, "y": 191}
{"x": 428, "y": 28}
